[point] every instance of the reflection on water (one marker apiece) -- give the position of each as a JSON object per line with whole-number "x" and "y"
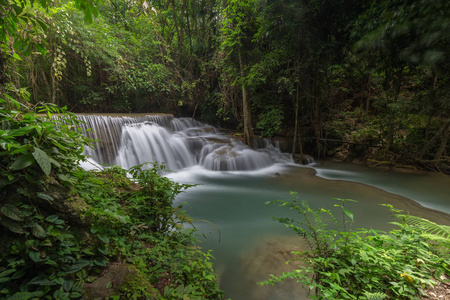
{"x": 252, "y": 245}
{"x": 429, "y": 189}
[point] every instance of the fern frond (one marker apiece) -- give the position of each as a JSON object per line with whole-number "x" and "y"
{"x": 375, "y": 296}
{"x": 430, "y": 229}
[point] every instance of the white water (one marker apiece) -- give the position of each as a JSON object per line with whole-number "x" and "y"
{"x": 178, "y": 143}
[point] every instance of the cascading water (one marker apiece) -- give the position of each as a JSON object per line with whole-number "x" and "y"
{"x": 177, "y": 142}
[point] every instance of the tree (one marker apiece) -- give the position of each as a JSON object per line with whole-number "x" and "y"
{"x": 408, "y": 38}
{"x": 238, "y": 29}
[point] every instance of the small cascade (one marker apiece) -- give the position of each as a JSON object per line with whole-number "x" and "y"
{"x": 106, "y": 131}
{"x": 177, "y": 142}
{"x": 141, "y": 143}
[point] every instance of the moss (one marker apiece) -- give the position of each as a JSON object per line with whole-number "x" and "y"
{"x": 120, "y": 280}
{"x": 135, "y": 286}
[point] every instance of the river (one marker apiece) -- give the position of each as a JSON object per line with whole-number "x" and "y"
{"x": 251, "y": 245}
{"x": 234, "y": 183}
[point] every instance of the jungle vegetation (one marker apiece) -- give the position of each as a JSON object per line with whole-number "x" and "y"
{"x": 344, "y": 78}
{"x": 349, "y": 79}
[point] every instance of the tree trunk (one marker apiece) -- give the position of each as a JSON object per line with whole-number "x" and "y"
{"x": 246, "y": 106}
{"x": 317, "y": 115}
{"x": 297, "y": 125}
{"x": 54, "y": 87}
{"x": 369, "y": 92}
{"x": 180, "y": 38}
{"x": 2, "y": 69}
{"x": 444, "y": 141}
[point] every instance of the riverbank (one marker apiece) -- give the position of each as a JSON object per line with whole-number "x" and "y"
{"x": 292, "y": 177}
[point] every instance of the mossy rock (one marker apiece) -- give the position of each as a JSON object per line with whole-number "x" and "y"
{"x": 122, "y": 280}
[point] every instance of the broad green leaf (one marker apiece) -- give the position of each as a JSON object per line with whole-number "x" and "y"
{"x": 38, "y": 231}
{"x": 21, "y": 131}
{"x": 75, "y": 295}
{"x": 51, "y": 263}
{"x": 52, "y": 218}
{"x": 12, "y": 212}
{"x": 68, "y": 284}
{"x": 13, "y": 226}
{"x": 104, "y": 239}
{"x": 87, "y": 251}
{"x": 45, "y": 196}
{"x": 43, "y": 160}
{"x": 348, "y": 213}
{"x": 16, "y": 56}
{"x": 100, "y": 261}
{"x": 65, "y": 178}
{"x": 23, "y": 161}
{"x": 35, "y": 256}
{"x": 41, "y": 280}
{"x": 21, "y": 149}
{"x": 55, "y": 163}
{"x": 26, "y": 295}
{"x": 80, "y": 264}
{"x": 102, "y": 250}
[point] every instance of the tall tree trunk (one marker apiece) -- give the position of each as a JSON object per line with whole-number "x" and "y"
{"x": 369, "y": 92}
{"x": 189, "y": 31}
{"x": 180, "y": 37}
{"x": 246, "y": 105}
{"x": 54, "y": 87}
{"x": 297, "y": 125}
{"x": 2, "y": 69}
{"x": 316, "y": 113}
{"x": 444, "y": 140}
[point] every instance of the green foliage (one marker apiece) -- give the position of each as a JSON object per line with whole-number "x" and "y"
{"x": 34, "y": 147}
{"x": 136, "y": 221}
{"x": 365, "y": 264}
{"x": 61, "y": 226}
{"x": 45, "y": 258}
{"x": 270, "y": 122}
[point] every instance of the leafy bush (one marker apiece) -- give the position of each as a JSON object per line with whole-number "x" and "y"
{"x": 366, "y": 264}
{"x": 270, "y": 122}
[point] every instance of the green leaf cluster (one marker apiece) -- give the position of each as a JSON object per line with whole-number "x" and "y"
{"x": 62, "y": 226}
{"x": 366, "y": 264}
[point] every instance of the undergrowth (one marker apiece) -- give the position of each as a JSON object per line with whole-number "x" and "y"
{"x": 365, "y": 263}
{"x": 62, "y": 228}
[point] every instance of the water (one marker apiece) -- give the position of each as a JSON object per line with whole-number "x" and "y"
{"x": 236, "y": 182}
{"x": 252, "y": 245}
{"x": 429, "y": 189}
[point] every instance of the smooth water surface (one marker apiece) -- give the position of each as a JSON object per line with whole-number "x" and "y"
{"x": 428, "y": 189}
{"x": 252, "y": 245}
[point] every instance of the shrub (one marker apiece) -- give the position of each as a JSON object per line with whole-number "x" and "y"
{"x": 366, "y": 264}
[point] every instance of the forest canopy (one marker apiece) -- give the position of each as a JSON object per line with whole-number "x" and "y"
{"x": 347, "y": 79}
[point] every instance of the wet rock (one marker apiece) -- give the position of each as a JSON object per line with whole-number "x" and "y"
{"x": 304, "y": 159}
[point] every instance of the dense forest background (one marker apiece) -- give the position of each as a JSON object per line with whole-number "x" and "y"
{"x": 344, "y": 78}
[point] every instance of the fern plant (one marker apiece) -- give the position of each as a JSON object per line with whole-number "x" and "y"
{"x": 430, "y": 230}
{"x": 366, "y": 264}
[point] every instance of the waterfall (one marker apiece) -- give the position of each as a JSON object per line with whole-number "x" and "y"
{"x": 177, "y": 142}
